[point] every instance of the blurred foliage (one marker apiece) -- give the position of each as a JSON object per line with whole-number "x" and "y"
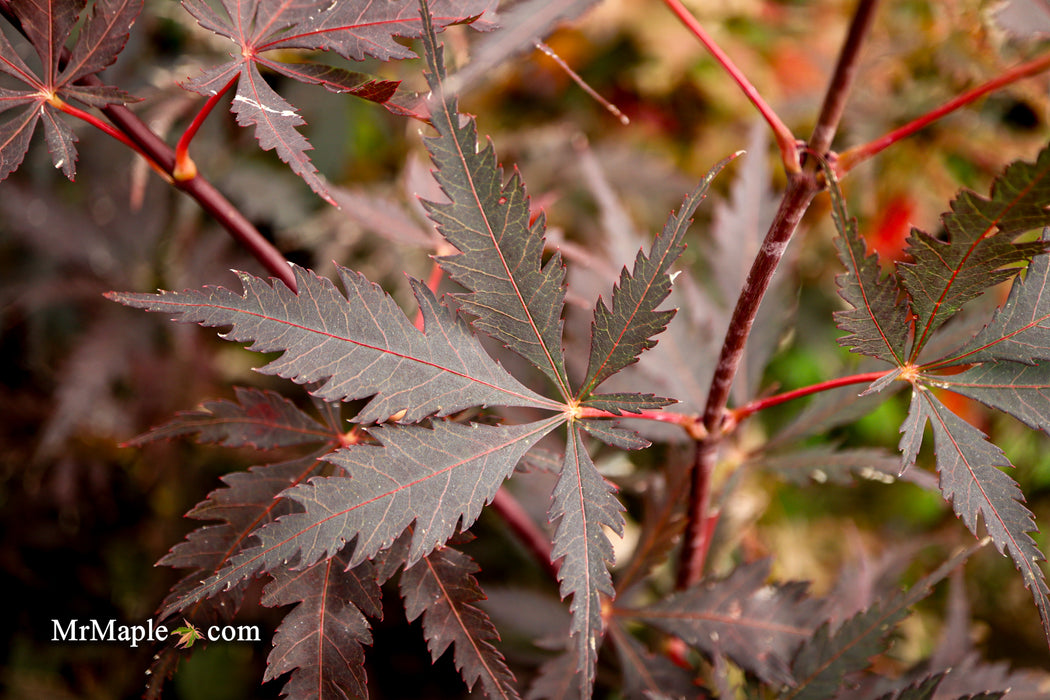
{"x": 83, "y": 520}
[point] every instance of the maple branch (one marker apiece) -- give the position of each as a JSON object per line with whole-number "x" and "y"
{"x": 852, "y": 157}
{"x": 159, "y": 154}
{"x": 802, "y": 186}
{"x": 785, "y": 139}
{"x": 738, "y": 414}
{"x": 842, "y": 79}
{"x": 532, "y": 537}
{"x": 185, "y": 168}
{"x": 210, "y": 199}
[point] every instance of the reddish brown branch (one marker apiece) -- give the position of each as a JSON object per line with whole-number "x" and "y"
{"x": 161, "y": 157}
{"x": 801, "y": 188}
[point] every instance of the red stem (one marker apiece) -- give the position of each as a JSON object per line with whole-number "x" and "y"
{"x": 852, "y": 157}
{"x": 691, "y": 423}
{"x": 785, "y": 139}
{"x": 738, "y": 414}
{"x": 94, "y": 121}
{"x": 185, "y": 168}
{"x": 210, "y": 199}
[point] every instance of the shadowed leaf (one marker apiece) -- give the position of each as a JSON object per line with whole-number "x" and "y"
{"x": 320, "y": 641}
{"x": 436, "y": 478}
{"x": 583, "y": 504}
{"x": 824, "y": 660}
{"x": 441, "y": 587}
{"x": 756, "y": 625}
{"x": 246, "y": 502}
{"x": 260, "y": 419}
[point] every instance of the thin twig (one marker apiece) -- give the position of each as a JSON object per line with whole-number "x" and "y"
{"x": 785, "y": 139}
{"x": 842, "y": 79}
{"x": 738, "y": 414}
{"x": 210, "y": 199}
{"x": 849, "y": 159}
{"x": 185, "y": 168}
{"x": 689, "y": 422}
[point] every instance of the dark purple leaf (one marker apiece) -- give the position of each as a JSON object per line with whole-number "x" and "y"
{"x": 257, "y": 104}
{"x": 756, "y": 625}
{"x": 97, "y": 95}
{"x": 614, "y": 435}
{"x": 15, "y": 135}
{"x": 825, "y": 658}
{"x": 338, "y": 80}
{"x": 436, "y": 478}
{"x": 584, "y": 504}
{"x": 1023, "y": 391}
{"x": 361, "y": 346}
{"x": 12, "y": 64}
{"x": 979, "y": 251}
{"x": 246, "y": 502}
{"x": 441, "y": 587}
{"x": 320, "y": 641}
{"x": 103, "y": 37}
{"x": 515, "y": 297}
{"x": 60, "y": 142}
{"x": 260, "y": 419}
{"x": 619, "y": 404}
{"x": 971, "y": 479}
{"x": 47, "y": 24}
{"x": 619, "y": 336}
{"x": 1020, "y": 329}
{"x": 355, "y": 30}
{"x": 878, "y": 324}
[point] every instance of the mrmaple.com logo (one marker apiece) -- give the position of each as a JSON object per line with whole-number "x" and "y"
{"x": 109, "y": 631}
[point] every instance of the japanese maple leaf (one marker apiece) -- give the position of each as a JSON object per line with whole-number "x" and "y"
{"x": 48, "y": 24}
{"x": 354, "y": 30}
